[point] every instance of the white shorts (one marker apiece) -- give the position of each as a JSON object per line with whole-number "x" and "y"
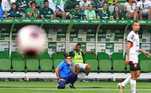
{"x": 82, "y": 65}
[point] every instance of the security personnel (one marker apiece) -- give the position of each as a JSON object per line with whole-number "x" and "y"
{"x": 78, "y": 59}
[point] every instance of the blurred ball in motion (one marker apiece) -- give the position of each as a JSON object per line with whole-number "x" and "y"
{"x": 31, "y": 40}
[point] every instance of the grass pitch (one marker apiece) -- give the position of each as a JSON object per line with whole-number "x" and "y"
{"x": 81, "y": 87}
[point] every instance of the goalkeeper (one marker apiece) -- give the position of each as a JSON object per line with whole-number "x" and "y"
{"x": 66, "y": 72}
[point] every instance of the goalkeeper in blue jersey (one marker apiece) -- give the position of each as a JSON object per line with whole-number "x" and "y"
{"x": 66, "y": 73}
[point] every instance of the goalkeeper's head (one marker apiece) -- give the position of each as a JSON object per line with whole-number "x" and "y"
{"x": 68, "y": 58}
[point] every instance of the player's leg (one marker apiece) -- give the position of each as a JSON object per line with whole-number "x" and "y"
{"x": 121, "y": 90}
{"x": 123, "y": 84}
{"x": 67, "y": 80}
{"x": 135, "y": 74}
{"x": 87, "y": 69}
{"x": 71, "y": 80}
{"x": 133, "y": 81}
{"x": 76, "y": 69}
{"x": 138, "y": 73}
{"x": 61, "y": 84}
{"x": 126, "y": 81}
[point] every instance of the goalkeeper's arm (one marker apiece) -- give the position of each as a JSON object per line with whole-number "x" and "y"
{"x": 57, "y": 73}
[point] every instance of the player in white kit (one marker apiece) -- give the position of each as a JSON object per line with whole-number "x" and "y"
{"x": 132, "y": 52}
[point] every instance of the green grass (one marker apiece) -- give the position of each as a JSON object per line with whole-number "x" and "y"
{"x": 81, "y": 87}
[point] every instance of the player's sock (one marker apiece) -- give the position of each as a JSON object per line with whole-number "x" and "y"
{"x": 133, "y": 85}
{"x": 126, "y": 80}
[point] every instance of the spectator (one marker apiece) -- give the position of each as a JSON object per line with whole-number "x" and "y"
{"x": 112, "y": 2}
{"x": 117, "y": 10}
{"x": 52, "y": 5}
{"x": 59, "y": 13}
{"x": 58, "y": 8}
{"x": 78, "y": 59}
{"x": 21, "y": 13}
{"x": 131, "y": 9}
{"x": 46, "y": 12}
{"x": 111, "y": 10}
{"x": 32, "y": 12}
{"x": 70, "y": 4}
{"x": 5, "y": 4}
{"x": 90, "y": 13}
{"x": 76, "y": 13}
{"x": 144, "y": 7}
{"x": 59, "y": 4}
{"x": 98, "y": 3}
{"x": 39, "y": 3}
{"x": 23, "y": 4}
{"x": 103, "y": 12}
{"x": 114, "y": 9}
{"x": 84, "y": 4}
{"x": 12, "y": 1}
{"x": 14, "y": 12}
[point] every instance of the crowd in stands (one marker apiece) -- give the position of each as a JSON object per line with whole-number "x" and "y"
{"x": 76, "y": 9}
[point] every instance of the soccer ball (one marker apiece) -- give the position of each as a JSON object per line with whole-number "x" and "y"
{"x": 31, "y": 40}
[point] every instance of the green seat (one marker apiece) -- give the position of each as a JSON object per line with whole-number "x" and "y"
{"x": 145, "y": 63}
{"x": 18, "y": 62}
{"x": 105, "y": 63}
{"x": 118, "y": 62}
{"x": 5, "y": 63}
{"x": 91, "y": 59}
{"x": 45, "y": 62}
{"x": 56, "y": 58}
{"x": 32, "y": 64}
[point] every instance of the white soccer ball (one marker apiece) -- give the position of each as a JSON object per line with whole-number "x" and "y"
{"x": 31, "y": 40}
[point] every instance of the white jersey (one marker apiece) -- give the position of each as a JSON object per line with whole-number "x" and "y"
{"x": 134, "y": 51}
{"x": 144, "y": 4}
{"x": 130, "y": 8}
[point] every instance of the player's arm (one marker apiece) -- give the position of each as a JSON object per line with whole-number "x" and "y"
{"x": 57, "y": 73}
{"x": 145, "y": 52}
{"x": 58, "y": 69}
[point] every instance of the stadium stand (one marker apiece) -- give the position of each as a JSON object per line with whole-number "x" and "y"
{"x": 32, "y": 64}
{"x": 105, "y": 64}
{"x": 67, "y": 9}
{"x": 5, "y": 64}
{"x": 18, "y": 63}
{"x": 56, "y": 58}
{"x": 45, "y": 62}
{"x": 145, "y": 63}
{"x": 91, "y": 58}
{"x": 118, "y": 62}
